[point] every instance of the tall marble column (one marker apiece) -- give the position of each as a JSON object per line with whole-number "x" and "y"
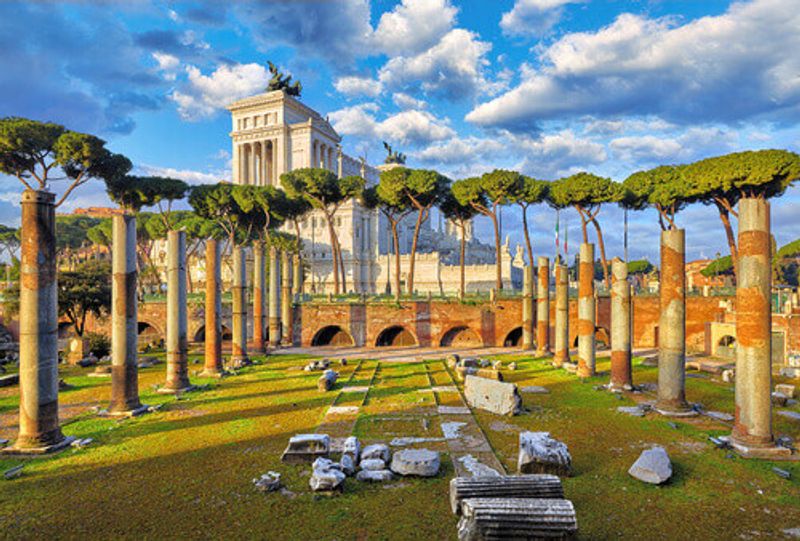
{"x": 39, "y": 429}
{"x": 239, "y": 308}
{"x": 672, "y": 327}
{"x": 586, "y": 312}
{"x": 562, "y": 316}
{"x": 259, "y": 286}
{"x": 274, "y": 298}
{"x": 527, "y": 308}
{"x": 286, "y": 300}
{"x": 124, "y": 319}
{"x": 752, "y": 430}
{"x": 621, "y": 376}
{"x": 213, "y": 329}
{"x": 543, "y": 308}
{"x": 177, "y": 344}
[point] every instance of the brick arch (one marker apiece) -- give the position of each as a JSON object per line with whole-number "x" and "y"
{"x": 513, "y": 338}
{"x": 601, "y": 335}
{"x": 460, "y": 336}
{"x": 144, "y": 325}
{"x": 332, "y": 335}
{"x": 396, "y": 335}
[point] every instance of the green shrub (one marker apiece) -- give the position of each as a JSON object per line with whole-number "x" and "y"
{"x": 99, "y": 344}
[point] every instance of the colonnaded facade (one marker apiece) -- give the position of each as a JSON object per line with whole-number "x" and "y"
{"x": 273, "y": 133}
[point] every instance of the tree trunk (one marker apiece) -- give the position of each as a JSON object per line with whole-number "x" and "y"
{"x": 724, "y": 216}
{"x": 527, "y": 234}
{"x": 334, "y": 254}
{"x": 603, "y": 259}
{"x": 499, "y": 279}
{"x": 396, "y": 241}
{"x": 461, "y": 260}
{"x": 412, "y": 257}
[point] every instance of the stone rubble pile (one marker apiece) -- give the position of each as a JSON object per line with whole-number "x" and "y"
{"x": 327, "y": 380}
{"x": 317, "y": 366}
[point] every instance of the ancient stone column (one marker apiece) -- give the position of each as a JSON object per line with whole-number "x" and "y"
{"x": 274, "y": 299}
{"x": 543, "y": 307}
{"x": 259, "y": 286}
{"x": 177, "y": 344}
{"x": 286, "y": 299}
{"x": 621, "y": 377}
{"x": 586, "y": 312}
{"x": 562, "y": 316}
{"x": 297, "y": 280}
{"x": 752, "y": 429}
{"x": 527, "y": 308}
{"x": 124, "y": 320}
{"x": 239, "y": 308}
{"x": 39, "y": 431}
{"x": 672, "y": 327}
{"x": 213, "y": 329}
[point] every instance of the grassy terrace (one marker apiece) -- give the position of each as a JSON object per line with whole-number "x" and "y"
{"x": 186, "y": 470}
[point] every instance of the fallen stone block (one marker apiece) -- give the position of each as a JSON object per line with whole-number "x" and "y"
{"x": 464, "y": 371}
{"x": 372, "y": 464}
{"x": 470, "y": 362}
{"x": 416, "y": 462}
{"x": 348, "y": 466}
{"x": 452, "y": 360}
{"x": 516, "y": 518}
{"x": 494, "y": 396}
{"x": 790, "y": 372}
{"x": 13, "y": 473}
{"x": 512, "y": 366}
{"x": 540, "y": 453}
{"x": 326, "y": 476}
{"x": 268, "y": 482}
{"x": 540, "y": 485}
{"x": 786, "y": 389}
{"x": 352, "y": 448}
{"x": 489, "y": 373}
{"x": 498, "y": 365}
{"x": 636, "y": 411}
{"x": 327, "y": 380}
{"x": 720, "y": 415}
{"x": 306, "y": 448}
{"x": 728, "y": 376}
{"x": 779, "y": 399}
{"x": 653, "y": 466}
{"x": 376, "y": 450}
{"x": 374, "y": 476}
{"x": 534, "y": 389}
{"x": 795, "y": 416}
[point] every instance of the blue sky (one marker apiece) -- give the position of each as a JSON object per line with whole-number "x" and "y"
{"x": 547, "y": 87}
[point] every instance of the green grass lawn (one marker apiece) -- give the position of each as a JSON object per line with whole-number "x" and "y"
{"x": 185, "y": 471}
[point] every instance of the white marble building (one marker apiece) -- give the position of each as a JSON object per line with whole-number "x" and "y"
{"x": 273, "y": 133}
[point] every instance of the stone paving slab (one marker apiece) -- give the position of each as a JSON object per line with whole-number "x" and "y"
{"x": 355, "y": 389}
{"x": 343, "y": 410}
{"x": 454, "y": 410}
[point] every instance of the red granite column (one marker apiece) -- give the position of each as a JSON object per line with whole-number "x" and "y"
{"x": 586, "y": 312}
{"x": 213, "y": 328}
{"x": 621, "y": 376}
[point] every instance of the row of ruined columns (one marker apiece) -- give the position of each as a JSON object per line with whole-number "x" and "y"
{"x": 39, "y": 427}
{"x": 752, "y": 433}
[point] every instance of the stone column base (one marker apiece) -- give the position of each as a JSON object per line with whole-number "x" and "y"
{"x": 239, "y": 361}
{"x": 135, "y": 412}
{"x": 619, "y": 388}
{"x": 169, "y": 390}
{"x": 213, "y": 374}
{"x": 543, "y": 353}
{"x": 673, "y": 410}
{"x": 38, "y": 451}
{"x": 768, "y": 452}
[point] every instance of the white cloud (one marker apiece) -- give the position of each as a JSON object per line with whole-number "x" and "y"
{"x": 405, "y": 101}
{"x": 204, "y": 95}
{"x": 645, "y": 147}
{"x": 458, "y": 151}
{"x": 691, "y": 144}
{"x": 358, "y": 86}
{"x": 533, "y": 17}
{"x": 167, "y": 64}
{"x": 625, "y": 125}
{"x": 724, "y": 68}
{"x": 406, "y": 127}
{"x": 414, "y": 127}
{"x": 187, "y": 175}
{"x": 414, "y": 26}
{"x": 358, "y": 120}
{"x": 452, "y": 68}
